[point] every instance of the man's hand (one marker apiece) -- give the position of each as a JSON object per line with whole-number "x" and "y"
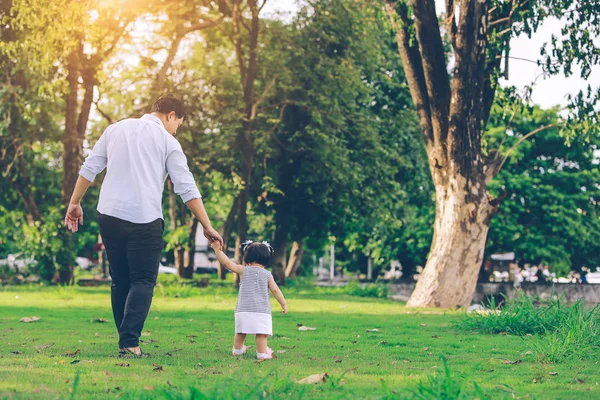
{"x": 74, "y": 217}
{"x": 213, "y": 235}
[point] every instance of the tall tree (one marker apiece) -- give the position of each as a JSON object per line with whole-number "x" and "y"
{"x": 453, "y": 112}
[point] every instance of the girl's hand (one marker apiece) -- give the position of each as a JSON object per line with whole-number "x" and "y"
{"x": 284, "y": 309}
{"x": 216, "y": 245}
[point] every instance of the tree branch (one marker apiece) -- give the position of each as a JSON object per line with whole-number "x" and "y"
{"x": 202, "y": 25}
{"x": 434, "y": 67}
{"x": 261, "y": 98}
{"x": 451, "y": 21}
{"x": 413, "y": 68}
{"x": 104, "y": 115}
{"x": 495, "y": 169}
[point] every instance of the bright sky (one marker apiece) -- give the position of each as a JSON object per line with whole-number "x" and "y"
{"x": 547, "y": 92}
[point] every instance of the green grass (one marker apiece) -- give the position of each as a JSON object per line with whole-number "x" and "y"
{"x": 189, "y": 334}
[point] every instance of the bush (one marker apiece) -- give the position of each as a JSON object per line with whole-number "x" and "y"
{"x": 559, "y": 331}
{"x": 51, "y": 246}
{"x": 520, "y": 316}
{"x": 376, "y": 290}
{"x": 445, "y": 385}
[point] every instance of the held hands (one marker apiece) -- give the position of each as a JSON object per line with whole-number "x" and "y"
{"x": 216, "y": 245}
{"x": 74, "y": 217}
{"x": 213, "y": 236}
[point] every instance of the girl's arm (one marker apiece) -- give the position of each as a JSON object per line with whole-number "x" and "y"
{"x": 224, "y": 260}
{"x": 278, "y": 295}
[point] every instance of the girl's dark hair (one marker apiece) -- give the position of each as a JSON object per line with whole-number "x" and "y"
{"x": 167, "y": 103}
{"x": 256, "y": 253}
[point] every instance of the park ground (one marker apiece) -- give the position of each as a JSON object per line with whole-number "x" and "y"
{"x": 369, "y": 348}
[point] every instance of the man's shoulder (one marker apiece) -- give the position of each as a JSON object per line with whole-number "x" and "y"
{"x": 124, "y": 123}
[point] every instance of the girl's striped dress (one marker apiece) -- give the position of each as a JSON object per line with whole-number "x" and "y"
{"x": 253, "y": 309}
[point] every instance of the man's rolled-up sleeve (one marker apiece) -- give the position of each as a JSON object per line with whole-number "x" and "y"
{"x": 183, "y": 180}
{"x": 96, "y": 161}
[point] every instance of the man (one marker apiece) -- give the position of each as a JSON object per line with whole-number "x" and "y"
{"x": 138, "y": 155}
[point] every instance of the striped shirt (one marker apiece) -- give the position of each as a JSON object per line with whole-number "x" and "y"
{"x": 138, "y": 154}
{"x": 254, "y": 291}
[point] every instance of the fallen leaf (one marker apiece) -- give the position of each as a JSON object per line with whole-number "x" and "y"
{"x": 148, "y": 387}
{"x": 122, "y": 364}
{"x": 422, "y": 324}
{"x": 306, "y": 328}
{"x": 426, "y": 348}
{"x": 527, "y": 353}
{"x": 506, "y": 361}
{"x": 158, "y": 368}
{"x": 72, "y": 353}
{"x": 406, "y": 361}
{"x": 435, "y": 337}
{"x": 145, "y": 333}
{"x": 579, "y": 380}
{"x": 281, "y": 351}
{"x": 29, "y": 319}
{"x": 487, "y": 370}
{"x": 74, "y": 361}
{"x": 373, "y": 330}
{"x": 316, "y": 378}
{"x": 169, "y": 383}
{"x": 43, "y": 346}
{"x": 17, "y": 352}
{"x": 100, "y": 320}
{"x": 534, "y": 380}
{"x": 553, "y": 373}
{"x": 383, "y": 342}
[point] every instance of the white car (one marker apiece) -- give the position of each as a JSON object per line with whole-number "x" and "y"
{"x": 163, "y": 269}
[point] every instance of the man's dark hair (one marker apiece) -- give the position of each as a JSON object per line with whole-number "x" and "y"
{"x": 257, "y": 253}
{"x": 167, "y": 103}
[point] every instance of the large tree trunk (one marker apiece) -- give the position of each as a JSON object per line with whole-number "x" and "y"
{"x": 226, "y": 234}
{"x": 72, "y": 147}
{"x": 280, "y": 242}
{"x": 452, "y": 119}
{"x": 293, "y": 265}
{"x": 248, "y": 68}
{"x": 186, "y": 269}
{"x": 457, "y": 248}
{"x": 242, "y": 216}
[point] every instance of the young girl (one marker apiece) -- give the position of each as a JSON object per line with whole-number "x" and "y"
{"x": 253, "y": 309}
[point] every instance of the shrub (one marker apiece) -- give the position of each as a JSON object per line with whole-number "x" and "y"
{"x": 558, "y": 331}
{"x": 445, "y": 385}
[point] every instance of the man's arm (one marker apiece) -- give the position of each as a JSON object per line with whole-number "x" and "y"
{"x": 92, "y": 166}
{"x": 196, "y": 206}
{"x": 74, "y": 215}
{"x": 185, "y": 186}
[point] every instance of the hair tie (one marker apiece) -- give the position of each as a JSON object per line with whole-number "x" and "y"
{"x": 271, "y": 250}
{"x": 245, "y": 245}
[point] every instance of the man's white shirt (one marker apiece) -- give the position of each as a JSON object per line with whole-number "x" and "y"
{"x": 138, "y": 155}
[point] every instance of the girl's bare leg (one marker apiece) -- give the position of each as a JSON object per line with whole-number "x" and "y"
{"x": 238, "y": 340}
{"x": 261, "y": 343}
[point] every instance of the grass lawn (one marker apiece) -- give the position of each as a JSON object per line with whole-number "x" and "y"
{"x": 190, "y": 339}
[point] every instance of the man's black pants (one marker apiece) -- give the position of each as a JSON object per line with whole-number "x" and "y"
{"x": 134, "y": 252}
